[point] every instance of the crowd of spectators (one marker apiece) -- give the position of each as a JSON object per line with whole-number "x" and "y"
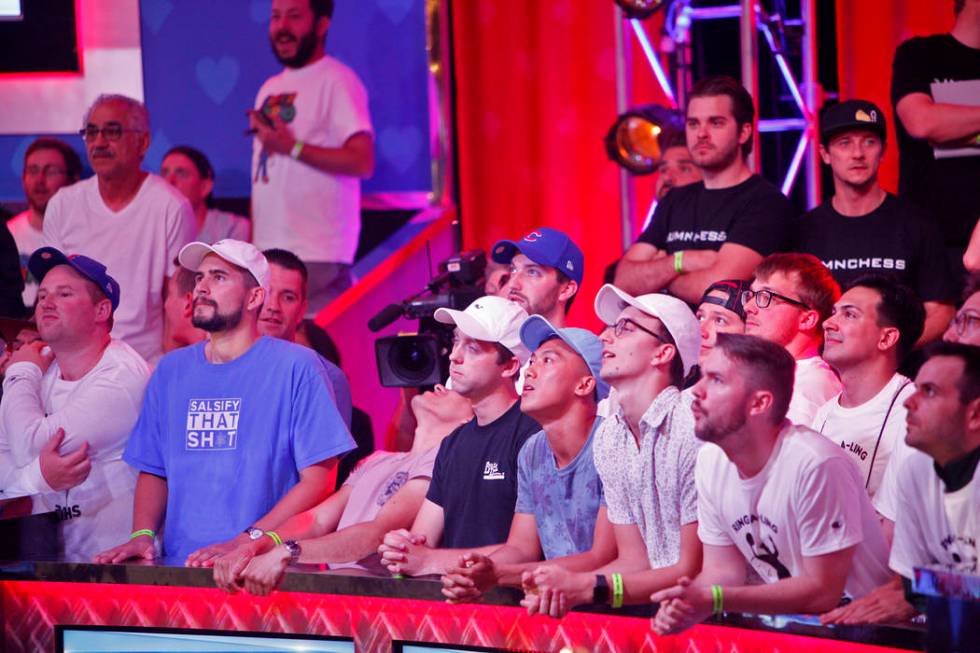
{"x": 780, "y": 415}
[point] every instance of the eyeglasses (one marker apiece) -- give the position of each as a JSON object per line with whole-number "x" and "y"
{"x": 620, "y": 327}
{"x": 964, "y": 321}
{"x": 47, "y": 171}
{"x": 764, "y": 297}
{"x": 111, "y": 131}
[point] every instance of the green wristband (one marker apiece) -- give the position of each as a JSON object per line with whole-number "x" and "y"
{"x": 297, "y": 149}
{"x": 718, "y": 599}
{"x": 617, "y": 597}
{"x": 679, "y": 262}
{"x": 275, "y": 537}
{"x": 142, "y": 531}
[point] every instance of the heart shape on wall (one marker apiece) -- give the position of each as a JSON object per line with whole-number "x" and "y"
{"x": 400, "y": 146}
{"x": 217, "y": 78}
{"x": 395, "y": 10}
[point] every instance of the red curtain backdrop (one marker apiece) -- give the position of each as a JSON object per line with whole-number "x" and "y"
{"x": 535, "y": 95}
{"x": 867, "y": 35}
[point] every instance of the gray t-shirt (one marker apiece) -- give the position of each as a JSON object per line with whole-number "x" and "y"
{"x": 378, "y": 478}
{"x": 564, "y": 501}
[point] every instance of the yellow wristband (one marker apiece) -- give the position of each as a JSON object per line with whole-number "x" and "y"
{"x": 142, "y": 531}
{"x": 717, "y": 599}
{"x": 617, "y": 587}
{"x": 275, "y": 537}
{"x": 679, "y": 262}
{"x": 297, "y": 149}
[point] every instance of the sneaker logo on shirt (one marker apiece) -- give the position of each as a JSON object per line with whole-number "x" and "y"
{"x": 212, "y": 424}
{"x": 491, "y": 472}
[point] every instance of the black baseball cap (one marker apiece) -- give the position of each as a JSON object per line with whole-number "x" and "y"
{"x": 733, "y": 289}
{"x": 850, "y": 115}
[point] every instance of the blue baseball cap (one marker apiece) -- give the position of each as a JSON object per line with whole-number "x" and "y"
{"x": 586, "y": 344}
{"x": 46, "y": 258}
{"x": 544, "y": 246}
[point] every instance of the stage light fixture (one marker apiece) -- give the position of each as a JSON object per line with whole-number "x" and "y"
{"x": 634, "y": 139}
{"x": 640, "y": 9}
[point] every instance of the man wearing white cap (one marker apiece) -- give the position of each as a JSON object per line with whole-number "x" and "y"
{"x": 470, "y": 502}
{"x": 645, "y": 452}
{"x": 559, "y": 511}
{"x": 237, "y": 433}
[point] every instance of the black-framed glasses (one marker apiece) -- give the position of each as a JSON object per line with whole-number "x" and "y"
{"x": 964, "y": 321}
{"x": 620, "y": 327}
{"x": 111, "y": 131}
{"x": 764, "y": 297}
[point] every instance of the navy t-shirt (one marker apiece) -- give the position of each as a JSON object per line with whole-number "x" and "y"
{"x": 949, "y": 189}
{"x": 895, "y": 240}
{"x": 475, "y": 479}
{"x": 754, "y": 214}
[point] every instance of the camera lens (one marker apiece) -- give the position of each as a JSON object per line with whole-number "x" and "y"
{"x": 411, "y": 360}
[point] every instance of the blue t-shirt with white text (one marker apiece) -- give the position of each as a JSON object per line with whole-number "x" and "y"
{"x": 231, "y": 438}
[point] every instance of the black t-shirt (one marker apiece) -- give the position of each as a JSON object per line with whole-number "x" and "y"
{"x": 895, "y": 239}
{"x": 949, "y": 189}
{"x": 475, "y": 479}
{"x": 11, "y": 279}
{"x": 754, "y": 214}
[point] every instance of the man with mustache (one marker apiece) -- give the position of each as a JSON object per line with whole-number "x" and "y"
{"x": 545, "y": 272}
{"x": 49, "y": 164}
{"x": 129, "y": 219}
{"x": 313, "y": 144}
{"x": 237, "y": 433}
{"x": 862, "y": 229}
{"x": 718, "y": 228}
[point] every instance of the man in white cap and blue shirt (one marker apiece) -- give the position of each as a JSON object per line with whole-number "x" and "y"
{"x": 235, "y": 407}
{"x": 470, "y": 502}
{"x": 559, "y": 511}
{"x": 645, "y": 451}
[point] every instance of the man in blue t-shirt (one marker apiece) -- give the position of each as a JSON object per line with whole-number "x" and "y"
{"x": 560, "y": 510}
{"x": 237, "y": 433}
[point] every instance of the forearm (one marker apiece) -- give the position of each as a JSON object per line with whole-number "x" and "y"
{"x": 310, "y": 491}
{"x": 22, "y": 414}
{"x": 346, "y": 545}
{"x": 437, "y": 561}
{"x": 690, "y": 286}
{"x": 21, "y": 481}
{"x": 800, "y": 595}
{"x": 645, "y": 276}
{"x": 337, "y": 160}
{"x": 623, "y": 565}
{"x": 941, "y": 123}
{"x": 149, "y": 502}
{"x": 938, "y": 317}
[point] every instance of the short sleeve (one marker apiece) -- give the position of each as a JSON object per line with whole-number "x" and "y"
{"x": 52, "y": 221}
{"x": 317, "y": 431}
{"x": 144, "y": 450}
{"x": 765, "y": 224}
{"x": 422, "y": 467}
{"x": 910, "y": 70}
{"x": 686, "y": 485}
{"x": 828, "y": 515}
{"x": 909, "y": 544}
{"x": 934, "y": 281}
{"x": 886, "y": 498}
{"x": 711, "y": 526}
{"x": 439, "y": 470}
{"x": 525, "y": 473}
{"x": 617, "y": 503}
{"x": 348, "y": 104}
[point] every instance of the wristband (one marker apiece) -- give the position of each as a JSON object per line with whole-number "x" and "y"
{"x": 297, "y": 149}
{"x": 617, "y": 587}
{"x": 275, "y": 537}
{"x": 976, "y": 141}
{"x": 717, "y": 598}
{"x": 678, "y": 262}
{"x": 142, "y": 531}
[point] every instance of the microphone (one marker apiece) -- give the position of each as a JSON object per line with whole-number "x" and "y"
{"x": 386, "y": 316}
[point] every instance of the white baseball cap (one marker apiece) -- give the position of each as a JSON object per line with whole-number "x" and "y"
{"x": 237, "y": 252}
{"x": 491, "y": 319}
{"x": 675, "y": 315}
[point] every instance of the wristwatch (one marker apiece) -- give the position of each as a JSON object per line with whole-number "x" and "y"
{"x": 600, "y": 593}
{"x": 294, "y": 550}
{"x": 254, "y": 533}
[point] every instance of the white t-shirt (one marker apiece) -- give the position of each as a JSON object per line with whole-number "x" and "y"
{"x": 100, "y": 408}
{"x": 28, "y": 239}
{"x": 807, "y": 501}
{"x": 219, "y": 225}
{"x": 862, "y": 431}
{"x": 886, "y": 498}
{"x": 934, "y": 528}
{"x": 314, "y": 214}
{"x": 814, "y": 384}
{"x": 138, "y": 245}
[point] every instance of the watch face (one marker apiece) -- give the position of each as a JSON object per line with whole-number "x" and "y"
{"x": 254, "y": 533}
{"x": 294, "y": 548}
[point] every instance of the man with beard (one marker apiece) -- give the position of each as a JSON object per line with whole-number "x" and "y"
{"x": 776, "y": 495}
{"x": 545, "y": 272}
{"x": 312, "y": 146}
{"x": 718, "y": 228}
{"x": 129, "y": 219}
{"x": 238, "y": 406}
{"x": 49, "y": 164}
{"x": 862, "y": 229}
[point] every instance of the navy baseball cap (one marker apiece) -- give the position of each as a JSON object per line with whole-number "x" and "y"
{"x": 544, "y": 246}
{"x": 46, "y": 258}
{"x": 733, "y": 289}
{"x": 850, "y": 115}
{"x": 536, "y": 330}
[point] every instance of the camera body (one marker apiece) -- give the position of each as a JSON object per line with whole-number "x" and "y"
{"x": 422, "y": 359}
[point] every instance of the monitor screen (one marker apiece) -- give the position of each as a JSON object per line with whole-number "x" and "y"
{"x": 10, "y": 10}
{"x": 109, "y": 639}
